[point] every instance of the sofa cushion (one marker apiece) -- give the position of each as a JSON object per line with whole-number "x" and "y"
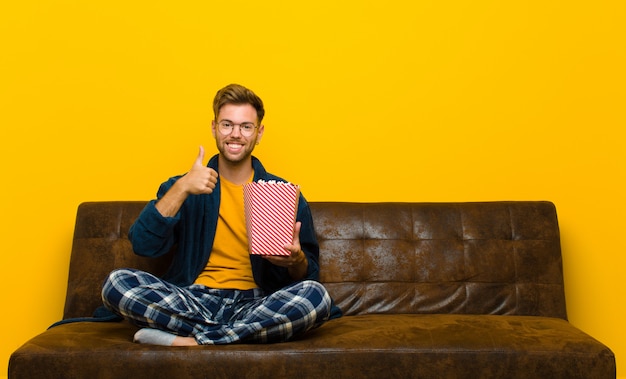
{"x": 364, "y": 346}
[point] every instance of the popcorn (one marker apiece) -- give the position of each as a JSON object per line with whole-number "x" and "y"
{"x": 270, "y": 208}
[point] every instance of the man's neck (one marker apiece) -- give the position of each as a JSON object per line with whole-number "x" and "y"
{"x": 236, "y": 173}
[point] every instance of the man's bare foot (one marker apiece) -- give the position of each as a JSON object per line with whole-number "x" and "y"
{"x": 184, "y": 341}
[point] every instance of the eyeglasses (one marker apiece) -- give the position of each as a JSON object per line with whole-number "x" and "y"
{"x": 245, "y": 128}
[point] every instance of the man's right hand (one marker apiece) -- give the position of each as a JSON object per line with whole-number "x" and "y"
{"x": 199, "y": 180}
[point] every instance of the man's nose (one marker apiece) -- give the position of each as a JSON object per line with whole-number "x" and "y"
{"x": 236, "y": 132}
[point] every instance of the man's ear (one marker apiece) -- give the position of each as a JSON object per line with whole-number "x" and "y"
{"x": 260, "y": 134}
{"x": 213, "y": 126}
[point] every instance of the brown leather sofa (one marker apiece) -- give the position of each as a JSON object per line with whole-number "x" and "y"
{"x": 429, "y": 290}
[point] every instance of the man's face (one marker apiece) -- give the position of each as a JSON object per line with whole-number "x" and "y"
{"x": 235, "y": 147}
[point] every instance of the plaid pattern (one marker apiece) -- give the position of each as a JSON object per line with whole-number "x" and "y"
{"x": 214, "y": 316}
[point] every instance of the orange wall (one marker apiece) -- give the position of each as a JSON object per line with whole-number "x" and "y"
{"x": 366, "y": 101}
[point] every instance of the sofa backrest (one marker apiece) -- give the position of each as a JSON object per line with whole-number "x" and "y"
{"x": 472, "y": 258}
{"x": 469, "y": 258}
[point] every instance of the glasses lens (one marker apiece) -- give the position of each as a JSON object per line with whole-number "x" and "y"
{"x": 246, "y": 129}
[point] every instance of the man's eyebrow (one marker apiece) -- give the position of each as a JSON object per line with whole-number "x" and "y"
{"x": 243, "y": 122}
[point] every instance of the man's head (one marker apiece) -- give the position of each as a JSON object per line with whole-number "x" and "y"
{"x": 237, "y": 126}
{"x": 238, "y": 95}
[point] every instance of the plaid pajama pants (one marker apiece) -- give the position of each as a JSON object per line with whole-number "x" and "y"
{"x": 215, "y": 316}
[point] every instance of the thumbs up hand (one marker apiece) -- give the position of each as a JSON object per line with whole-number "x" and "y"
{"x": 200, "y": 179}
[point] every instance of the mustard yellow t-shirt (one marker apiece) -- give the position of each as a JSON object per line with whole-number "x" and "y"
{"x": 229, "y": 264}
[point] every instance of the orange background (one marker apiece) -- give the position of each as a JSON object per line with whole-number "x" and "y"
{"x": 366, "y": 101}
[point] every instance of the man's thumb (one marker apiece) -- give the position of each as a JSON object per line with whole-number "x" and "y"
{"x": 200, "y": 159}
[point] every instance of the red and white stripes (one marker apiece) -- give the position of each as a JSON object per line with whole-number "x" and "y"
{"x": 270, "y": 209}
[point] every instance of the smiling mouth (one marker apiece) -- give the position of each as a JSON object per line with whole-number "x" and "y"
{"x": 235, "y": 146}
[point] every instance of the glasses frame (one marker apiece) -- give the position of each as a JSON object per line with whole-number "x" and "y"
{"x": 244, "y": 132}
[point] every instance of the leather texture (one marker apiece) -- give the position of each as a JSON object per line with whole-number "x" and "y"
{"x": 428, "y": 290}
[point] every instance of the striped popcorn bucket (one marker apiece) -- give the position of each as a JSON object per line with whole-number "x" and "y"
{"x": 270, "y": 209}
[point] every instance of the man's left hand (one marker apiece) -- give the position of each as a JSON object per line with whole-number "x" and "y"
{"x": 296, "y": 261}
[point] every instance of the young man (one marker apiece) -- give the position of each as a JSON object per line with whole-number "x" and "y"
{"x": 215, "y": 292}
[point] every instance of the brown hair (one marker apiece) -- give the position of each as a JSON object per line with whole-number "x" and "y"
{"x": 238, "y": 94}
